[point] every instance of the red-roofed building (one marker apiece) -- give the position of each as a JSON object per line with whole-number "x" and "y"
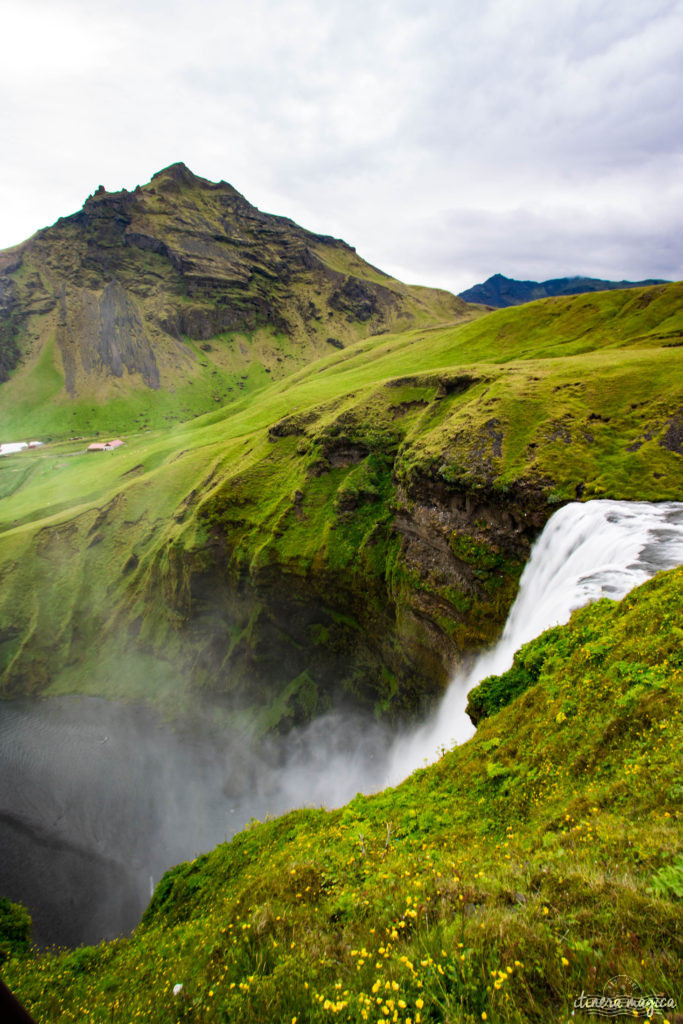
{"x": 107, "y": 446}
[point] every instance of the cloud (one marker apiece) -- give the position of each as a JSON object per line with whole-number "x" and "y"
{"x": 415, "y": 132}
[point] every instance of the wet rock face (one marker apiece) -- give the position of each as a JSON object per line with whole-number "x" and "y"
{"x": 102, "y": 333}
{"x": 122, "y": 339}
{"x": 672, "y": 439}
{"x": 463, "y": 551}
{"x": 387, "y": 642}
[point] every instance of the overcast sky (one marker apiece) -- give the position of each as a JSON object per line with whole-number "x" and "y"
{"x": 446, "y": 141}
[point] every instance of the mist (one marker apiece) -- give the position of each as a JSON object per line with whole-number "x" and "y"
{"x": 98, "y": 799}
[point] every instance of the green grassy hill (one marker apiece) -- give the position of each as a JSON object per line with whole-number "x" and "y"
{"x": 340, "y": 529}
{"x": 526, "y": 867}
{"x": 345, "y": 533}
{"x": 150, "y": 307}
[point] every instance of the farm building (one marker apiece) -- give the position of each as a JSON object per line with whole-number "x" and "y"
{"x": 107, "y": 446}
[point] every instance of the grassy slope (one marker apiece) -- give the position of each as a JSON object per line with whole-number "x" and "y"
{"x": 597, "y": 343}
{"x": 532, "y": 864}
{"x": 579, "y": 392}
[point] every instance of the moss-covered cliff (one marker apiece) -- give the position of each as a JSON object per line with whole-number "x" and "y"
{"x": 345, "y": 533}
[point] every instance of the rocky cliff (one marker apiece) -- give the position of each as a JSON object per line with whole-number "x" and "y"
{"x": 346, "y": 534}
{"x": 184, "y": 286}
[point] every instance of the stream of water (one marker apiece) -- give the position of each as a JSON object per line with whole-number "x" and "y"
{"x": 97, "y": 800}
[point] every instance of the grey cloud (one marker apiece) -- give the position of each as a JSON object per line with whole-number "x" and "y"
{"x": 468, "y": 245}
{"x": 420, "y": 134}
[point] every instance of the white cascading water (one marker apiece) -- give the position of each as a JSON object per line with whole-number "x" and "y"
{"x": 586, "y": 551}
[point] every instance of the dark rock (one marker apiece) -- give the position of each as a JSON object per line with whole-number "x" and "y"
{"x": 359, "y": 299}
{"x": 454, "y": 385}
{"x": 672, "y": 440}
{"x": 292, "y": 426}
{"x": 403, "y": 408}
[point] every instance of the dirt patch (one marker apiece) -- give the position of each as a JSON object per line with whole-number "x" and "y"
{"x": 344, "y": 455}
{"x": 454, "y": 385}
{"x": 397, "y": 411}
{"x": 640, "y": 441}
{"x": 560, "y": 432}
{"x": 292, "y": 426}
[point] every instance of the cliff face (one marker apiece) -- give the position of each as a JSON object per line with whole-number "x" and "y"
{"x": 148, "y": 289}
{"x": 383, "y": 631}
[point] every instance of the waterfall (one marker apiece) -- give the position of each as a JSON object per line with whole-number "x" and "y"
{"x": 95, "y": 797}
{"x": 586, "y": 551}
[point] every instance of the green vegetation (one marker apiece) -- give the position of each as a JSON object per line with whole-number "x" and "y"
{"x": 15, "y": 930}
{"x": 329, "y": 487}
{"x": 496, "y": 692}
{"x": 383, "y": 497}
{"x": 534, "y": 863}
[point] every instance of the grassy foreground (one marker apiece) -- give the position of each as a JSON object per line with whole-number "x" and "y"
{"x": 534, "y": 863}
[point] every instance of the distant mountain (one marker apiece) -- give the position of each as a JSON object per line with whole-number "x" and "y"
{"x": 502, "y": 291}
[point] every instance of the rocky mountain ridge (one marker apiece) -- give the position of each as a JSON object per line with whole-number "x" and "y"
{"x": 183, "y": 283}
{"x": 500, "y": 291}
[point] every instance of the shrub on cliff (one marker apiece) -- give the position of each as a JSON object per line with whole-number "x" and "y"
{"x": 15, "y": 929}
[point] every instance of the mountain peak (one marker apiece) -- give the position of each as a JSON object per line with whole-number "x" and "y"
{"x": 179, "y": 173}
{"x": 501, "y": 291}
{"x": 128, "y": 287}
{"x": 175, "y": 177}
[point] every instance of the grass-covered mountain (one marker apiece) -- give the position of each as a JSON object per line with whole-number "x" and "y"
{"x": 500, "y": 291}
{"x": 344, "y": 534}
{"x": 523, "y": 870}
{"x": 152, "y": 306}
